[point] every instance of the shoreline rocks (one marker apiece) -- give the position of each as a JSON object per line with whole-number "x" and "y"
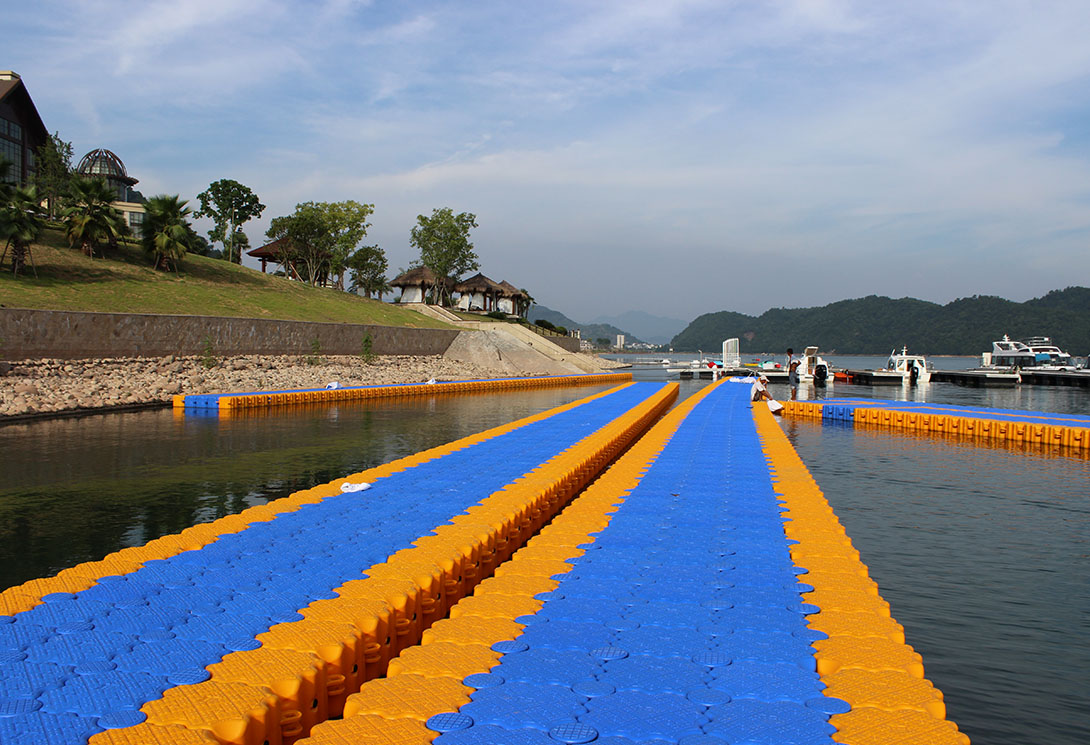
{"x": 55, "y": 386}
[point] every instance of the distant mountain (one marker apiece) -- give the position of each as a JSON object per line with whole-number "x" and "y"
{"x": 655, "y": 329}
{"x": 875, "y": 325}
{"x": 588, "y": 331}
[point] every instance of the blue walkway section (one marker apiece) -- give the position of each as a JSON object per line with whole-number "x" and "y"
{"x": 843, "y": 409}
{"x": 80, "y": 663}
{"x": 682, "y": 622}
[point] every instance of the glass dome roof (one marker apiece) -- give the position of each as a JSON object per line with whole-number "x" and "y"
{"x": 104, "y": 163}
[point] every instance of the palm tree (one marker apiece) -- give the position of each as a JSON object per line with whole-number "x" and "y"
{"x": 166, "y": 230}
{"x": 526, "y": 302}
{"x": 21, "y": 223}
{"x": 92, "y": 219}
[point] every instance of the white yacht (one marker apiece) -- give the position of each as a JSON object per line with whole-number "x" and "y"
{"x": 907, "y": 368}
{"x": 1035, "y": 353}
{"x": 900, "y": 369}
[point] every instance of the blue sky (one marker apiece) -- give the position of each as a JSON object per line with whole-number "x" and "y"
{"x": 669, "y": 156}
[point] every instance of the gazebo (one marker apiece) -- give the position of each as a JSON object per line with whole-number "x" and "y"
{"x": 512, "y": 300}
{"x": 415, "y": 284}
{"x": 478, "y": 293}
{"x": 276, "y": 253}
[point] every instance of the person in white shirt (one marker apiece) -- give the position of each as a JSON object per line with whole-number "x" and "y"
{"x": 759, "y": 392}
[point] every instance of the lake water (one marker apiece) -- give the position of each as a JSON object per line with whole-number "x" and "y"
{"x": 982, "y": 551}
{"x": 75, "y": 490}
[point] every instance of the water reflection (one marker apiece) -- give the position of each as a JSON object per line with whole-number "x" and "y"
{"x": 983, "y": 554}
{"x": 77, "y": 489}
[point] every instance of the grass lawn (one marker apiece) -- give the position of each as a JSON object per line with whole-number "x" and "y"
{"x": 126, "y": 283}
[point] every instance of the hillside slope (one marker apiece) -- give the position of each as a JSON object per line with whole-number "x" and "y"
{"x": 126, "y": 283}
{"x": 874, "y": 325}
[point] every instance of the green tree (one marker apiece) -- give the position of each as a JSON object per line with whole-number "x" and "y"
{"x": 320, "y": 236}
{"x": 91, "y": 219}
{"x": 367, "y": 268}
{"x": 525, "y": 303}
{"x": 21, "y": 221}
{"x": 443, "y": 242}
{"x": 241, "y": 242}
{"x": 198, "y": 244}
{"x": 53, "y": 173}
{"x": 166, "y": 230}
{"x": 230, "y": 205}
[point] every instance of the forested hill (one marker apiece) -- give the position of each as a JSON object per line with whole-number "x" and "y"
{"x": 875, "y": 325}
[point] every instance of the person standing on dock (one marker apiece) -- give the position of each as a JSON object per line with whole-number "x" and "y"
{"x": 793, "y": 373}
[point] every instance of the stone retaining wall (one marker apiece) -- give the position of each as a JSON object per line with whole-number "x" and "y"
{"x": 34, "y": 334}
{"x": 569, "y": 343}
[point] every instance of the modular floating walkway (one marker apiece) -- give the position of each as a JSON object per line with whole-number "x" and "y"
{"x": 226, "y": 402}
{"x": 699, "y": 591}
{"x": 1070, "y": 432}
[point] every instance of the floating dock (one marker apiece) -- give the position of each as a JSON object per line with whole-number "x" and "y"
{"x": 257, "y": 399}
{"x": 1068, "y": 431}
{"x": 977, "y": 378}
{"x": 700, "y": 590}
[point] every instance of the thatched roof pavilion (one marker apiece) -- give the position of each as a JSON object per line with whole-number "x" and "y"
{"x": 478, "y": 293}
{"x": 512, "y": 301}
{"x": 416, "y": 282}
{"x": 509, "y": 290}
{"x": 478, "y": 283}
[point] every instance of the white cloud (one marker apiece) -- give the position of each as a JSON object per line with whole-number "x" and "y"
{"x": 920, "y": 148}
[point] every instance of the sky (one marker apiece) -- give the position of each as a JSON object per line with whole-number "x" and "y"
{"x": 672, "y": 156}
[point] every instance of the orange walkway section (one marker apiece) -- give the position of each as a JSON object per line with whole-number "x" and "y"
{"x": 865, "y": 661}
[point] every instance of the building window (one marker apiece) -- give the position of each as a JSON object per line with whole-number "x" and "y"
{"x": 13, "y": 152}
{"x": 136, "y": 224}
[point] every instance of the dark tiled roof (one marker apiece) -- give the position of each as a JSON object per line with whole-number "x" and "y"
{"x": 269, "y": 250}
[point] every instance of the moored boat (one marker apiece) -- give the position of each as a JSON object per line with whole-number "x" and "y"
{"x": 813, "y": 369}
{"x": 1034, "y": 353}
{"x": 900, "y": 369}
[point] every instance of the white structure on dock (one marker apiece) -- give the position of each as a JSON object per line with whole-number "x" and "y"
{"x": 732, "y": 359}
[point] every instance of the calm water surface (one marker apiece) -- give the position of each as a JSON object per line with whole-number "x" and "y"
{"x": 75, "y": 490}
{"x": 982, "y": 552}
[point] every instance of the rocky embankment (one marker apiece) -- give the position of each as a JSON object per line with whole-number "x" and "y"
{"x": 49, "y": 385}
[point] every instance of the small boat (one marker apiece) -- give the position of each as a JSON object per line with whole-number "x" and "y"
{"x": 813, "y": 369}
{"x": 911, "y": 368}
{"x": 900, "y": 369}
{"x": 1035, "y": 353}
